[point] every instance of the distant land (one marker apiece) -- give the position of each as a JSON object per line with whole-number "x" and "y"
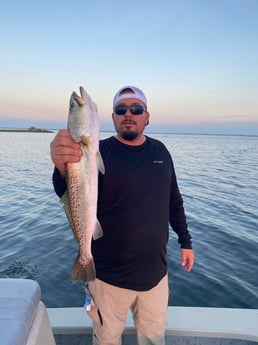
{"x": 205, "y": 128}
{"x": 29, "y": 130}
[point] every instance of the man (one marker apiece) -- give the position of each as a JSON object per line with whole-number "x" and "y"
{"x": 138, "y": 198}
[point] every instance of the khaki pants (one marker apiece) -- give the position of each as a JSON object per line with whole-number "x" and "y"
{"x": 109, "y": 307}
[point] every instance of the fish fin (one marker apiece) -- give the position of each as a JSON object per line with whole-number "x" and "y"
{"x": 85, "y": 139}
{"x": 100, "y": 163}
{"x": 84, "y": 273}
{"x": 65, "y": 202}
{"x": 98, "y": 232}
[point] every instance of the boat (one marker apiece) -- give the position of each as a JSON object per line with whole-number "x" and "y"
{"x": 24, "y": 320}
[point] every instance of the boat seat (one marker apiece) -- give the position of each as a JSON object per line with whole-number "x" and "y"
{"x": 22, "y": 316}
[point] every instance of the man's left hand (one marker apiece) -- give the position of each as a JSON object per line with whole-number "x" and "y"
{"x": 187, "y": 259}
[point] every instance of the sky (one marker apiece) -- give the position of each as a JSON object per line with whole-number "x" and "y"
{"x": 196, "y": 61}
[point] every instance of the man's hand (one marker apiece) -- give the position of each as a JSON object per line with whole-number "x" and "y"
{"x": 64, "y": 149}
{"x": 187, "y": 259}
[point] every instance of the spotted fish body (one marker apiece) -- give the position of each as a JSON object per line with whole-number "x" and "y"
{"x": 80, "y": 199}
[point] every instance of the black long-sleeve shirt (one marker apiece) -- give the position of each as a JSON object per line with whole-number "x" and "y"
{"x": 138, "y": 197}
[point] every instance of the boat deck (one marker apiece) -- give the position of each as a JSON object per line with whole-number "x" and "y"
{"x": 184, "y": 325}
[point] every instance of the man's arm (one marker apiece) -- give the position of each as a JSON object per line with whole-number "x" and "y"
{"x": 178, "y": 222}
{"x": 177, "y": 216}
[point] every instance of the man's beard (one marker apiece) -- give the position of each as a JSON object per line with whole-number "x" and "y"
{"x": 128, "y": 135}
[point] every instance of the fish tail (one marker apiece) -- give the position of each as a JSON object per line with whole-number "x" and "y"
{"x": 84, "y": 273}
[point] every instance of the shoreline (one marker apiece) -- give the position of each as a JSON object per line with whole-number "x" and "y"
{"x": 30, "y": 130}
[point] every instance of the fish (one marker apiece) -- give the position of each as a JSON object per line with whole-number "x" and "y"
{"x": 80, "y": 199}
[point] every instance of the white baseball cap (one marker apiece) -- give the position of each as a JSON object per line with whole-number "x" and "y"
{"x": 133, "y": 92}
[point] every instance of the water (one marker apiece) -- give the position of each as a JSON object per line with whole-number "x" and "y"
{"x": 219, "y": 181}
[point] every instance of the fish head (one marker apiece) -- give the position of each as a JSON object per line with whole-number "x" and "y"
{"x": 82, "y": 119}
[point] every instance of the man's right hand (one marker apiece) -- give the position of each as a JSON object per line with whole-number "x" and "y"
{"x": 63, "y": 149}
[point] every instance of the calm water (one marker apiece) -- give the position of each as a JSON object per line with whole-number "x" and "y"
{"x": 218, "y": 178}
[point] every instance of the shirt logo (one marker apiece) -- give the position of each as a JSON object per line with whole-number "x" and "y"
{"x": 158, "y": 162}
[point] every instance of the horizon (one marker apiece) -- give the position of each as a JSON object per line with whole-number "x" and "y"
{"x": 193, "y": 129}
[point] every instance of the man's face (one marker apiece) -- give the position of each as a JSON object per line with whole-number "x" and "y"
{"x": 130, "y": 126}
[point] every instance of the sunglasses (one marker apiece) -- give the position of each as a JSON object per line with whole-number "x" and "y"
{"x": 134, "y": 109}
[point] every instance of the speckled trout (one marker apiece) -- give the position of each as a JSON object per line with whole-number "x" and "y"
{"x": 80, "y": 199}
